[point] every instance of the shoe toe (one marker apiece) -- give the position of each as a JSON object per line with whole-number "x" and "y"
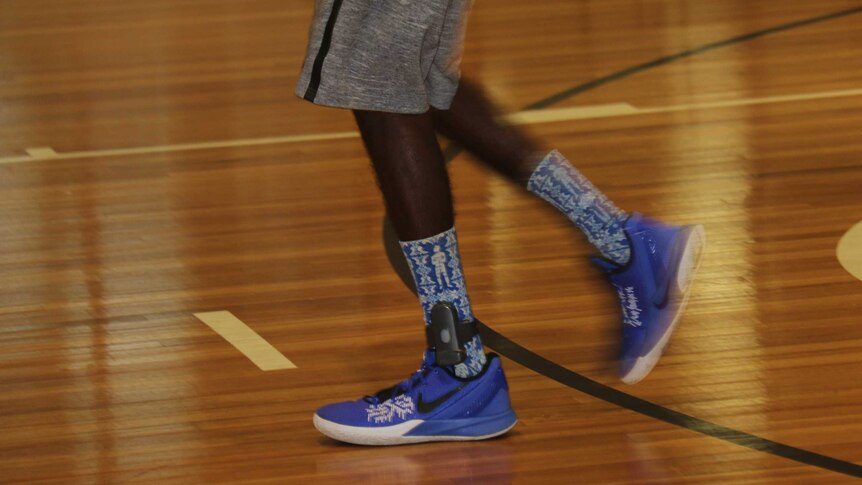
{"x": 345, "y": 412}
{"x": 626, "y": 366}
{"x": 633, "y": 346}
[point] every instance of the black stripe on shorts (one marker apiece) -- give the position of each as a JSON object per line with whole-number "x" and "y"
{"x": 314, "y": 83}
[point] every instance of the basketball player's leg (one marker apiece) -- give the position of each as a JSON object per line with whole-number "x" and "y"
{"x": 410, "y": 171}
{"x": 364, "y": 72}
{"x": 650, "y": 264}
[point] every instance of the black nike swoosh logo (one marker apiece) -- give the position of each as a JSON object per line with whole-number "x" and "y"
{"x": 427, "y": 407}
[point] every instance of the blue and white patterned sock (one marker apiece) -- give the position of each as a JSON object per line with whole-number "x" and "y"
{"x": 437, "y": 272}
{"x": 558, "y": 182}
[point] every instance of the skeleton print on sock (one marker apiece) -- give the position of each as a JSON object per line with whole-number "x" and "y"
{"x": 436, "y": 268}
{"x": 558, "y": 182}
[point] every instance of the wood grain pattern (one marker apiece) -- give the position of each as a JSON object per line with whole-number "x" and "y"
{"x": 107, "y": 377}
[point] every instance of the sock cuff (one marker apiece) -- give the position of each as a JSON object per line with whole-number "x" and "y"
{"x": 443, "y": 236}
{"x": 553, "y": 158}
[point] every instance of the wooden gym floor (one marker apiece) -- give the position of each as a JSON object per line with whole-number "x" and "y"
{"x": 155, "y": 165}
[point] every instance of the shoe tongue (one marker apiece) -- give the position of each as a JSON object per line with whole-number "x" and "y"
{"x": 429, "y": 359}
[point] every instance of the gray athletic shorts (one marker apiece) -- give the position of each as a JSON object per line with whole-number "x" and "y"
{"x": 398, "y": 56}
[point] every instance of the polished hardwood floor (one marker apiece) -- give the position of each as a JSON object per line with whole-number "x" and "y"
{"x": 116, "y": 229}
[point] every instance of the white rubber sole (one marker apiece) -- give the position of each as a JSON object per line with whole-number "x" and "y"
{"x": 388, "y": 435}
{"x": 686, "y": 272}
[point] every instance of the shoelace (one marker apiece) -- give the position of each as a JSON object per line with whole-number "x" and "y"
{"x": 401, "y": 388}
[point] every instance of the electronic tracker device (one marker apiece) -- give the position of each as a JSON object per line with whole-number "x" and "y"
{"x": 447, "y": 335}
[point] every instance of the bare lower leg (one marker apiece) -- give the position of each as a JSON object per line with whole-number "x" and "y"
{"x": 411, "y": 172}
{"x": 415, "y": 186}
{"x": 472, "y": 122}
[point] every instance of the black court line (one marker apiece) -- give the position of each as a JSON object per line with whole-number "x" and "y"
{"x": 547, "y": 368}
{"x": 543, "y": 366}
{"x": 595, "y": 83}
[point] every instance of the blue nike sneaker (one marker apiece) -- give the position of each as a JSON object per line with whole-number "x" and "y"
{"x": 431, "y": 405}
{"x": 653, "y": 289}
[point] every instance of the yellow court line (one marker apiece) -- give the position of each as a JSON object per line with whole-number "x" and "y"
{"x": 17, "y": 159}
{"x": 45, "y": 153}
{"x": 252, "y": 345}
{"x": 547, "y": 115}
{"x": 846, "y": 93}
